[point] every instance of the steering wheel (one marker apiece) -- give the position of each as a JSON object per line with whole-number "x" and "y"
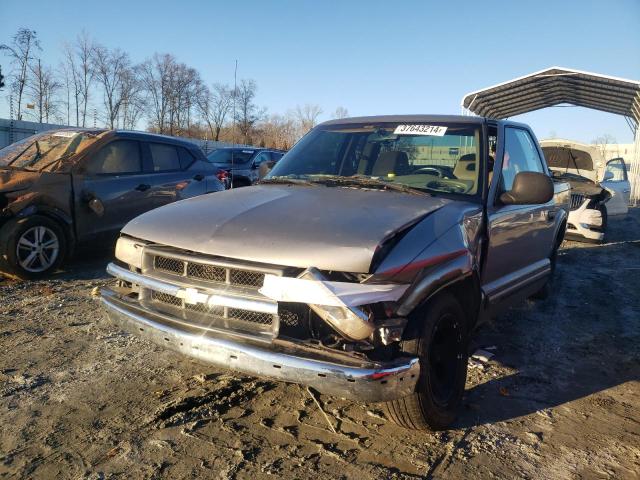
{"x": 450, "y": 186}
{"x": 430, "y": 171}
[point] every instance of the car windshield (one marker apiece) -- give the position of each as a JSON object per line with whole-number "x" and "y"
{"x": 431, "y": 158}
{"x": 45, "y": 150}
{"x": 230, "y": 156}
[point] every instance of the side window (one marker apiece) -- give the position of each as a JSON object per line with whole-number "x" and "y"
{"x": 618, "y": 169}
{"x": 520, "y": 155}
{"x": 261, "y": 157}
{"x": 164, "y": 158}
{"x": 116, "y": 158}
{"x": 275, "y": 156}
{"x": 186, "y": 158}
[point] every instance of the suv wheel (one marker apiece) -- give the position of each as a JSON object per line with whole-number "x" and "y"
{"x": 441, "y": 344}
{"x": 34, "y": 246}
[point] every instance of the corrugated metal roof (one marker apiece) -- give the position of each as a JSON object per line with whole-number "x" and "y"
{"x": 554, "y": 86}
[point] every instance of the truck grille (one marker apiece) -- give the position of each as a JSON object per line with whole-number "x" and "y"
{"x": 233, "y": 313}
{"x": 207, "y": 272}
{"x": 209, "y": 276}
{"x": 577, "y": 199}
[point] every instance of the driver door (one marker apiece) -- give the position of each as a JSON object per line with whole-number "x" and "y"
{"x": 520, "y": 236}
{"x": 114, "y": 177}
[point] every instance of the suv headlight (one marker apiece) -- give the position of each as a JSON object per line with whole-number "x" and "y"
{"x": 129, "y": 251}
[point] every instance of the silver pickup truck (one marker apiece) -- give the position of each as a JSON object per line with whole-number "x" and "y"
{"x": 358, "y": 266}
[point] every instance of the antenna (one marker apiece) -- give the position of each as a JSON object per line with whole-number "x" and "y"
{"x": 235, "y": 95}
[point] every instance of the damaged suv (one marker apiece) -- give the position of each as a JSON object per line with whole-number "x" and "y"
{"x": 356, "y": 266}
{"x": 72, "y": 187}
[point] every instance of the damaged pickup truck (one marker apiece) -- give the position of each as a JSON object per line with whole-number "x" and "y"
{"x": 359, "y": 266}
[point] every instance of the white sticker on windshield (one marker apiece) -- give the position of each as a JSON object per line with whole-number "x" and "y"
{"x": 64, "y": 134}
{"x": 433, "y": 130}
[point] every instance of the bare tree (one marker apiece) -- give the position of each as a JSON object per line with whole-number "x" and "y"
{"x": 84, "y": 60}
{"x": 279, "y": 131}
{"x": 246, "y": 111}
{"x": 154, "y": 76}
{"x": 340, "y": 112}
{"x": 214, "y": 106}
{"x": 184, "y": 86}
{"x": 307, "y": 116}
{"x": 110, "y": 67}
{"x": 67, "y": 82}
{"x": 42, "y": 89}
{"x": 133, "y": 104}
{"x": 21, "y": 51}
{"x": 601, "y": 143}
{"x": 172, "y": 91}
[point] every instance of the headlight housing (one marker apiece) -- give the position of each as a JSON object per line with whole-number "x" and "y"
{"x": 129, "y": 251}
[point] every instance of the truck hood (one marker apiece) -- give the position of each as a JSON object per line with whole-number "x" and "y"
{"x": 330, "y": 228}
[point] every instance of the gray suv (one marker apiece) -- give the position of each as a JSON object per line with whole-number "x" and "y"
{"x": 242, "y": 165}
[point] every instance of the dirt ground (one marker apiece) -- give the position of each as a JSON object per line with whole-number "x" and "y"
{"x": 560, "y": 399}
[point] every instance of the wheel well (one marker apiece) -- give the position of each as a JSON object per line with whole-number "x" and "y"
{"x": 466, "y": 290}
{"x": 561, "y": 233}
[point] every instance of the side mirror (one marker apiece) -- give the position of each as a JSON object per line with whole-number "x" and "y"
{"x": 265, "y": 168}
{"x": 529, "y": 188}
{"x": 607, "y": 176}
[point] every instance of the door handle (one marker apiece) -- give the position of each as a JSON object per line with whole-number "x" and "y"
{"x": 198, "y": 177}
{"x": 143, "y": 187}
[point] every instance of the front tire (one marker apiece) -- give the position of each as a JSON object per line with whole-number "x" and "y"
{"x": 34, "y": 247}
{"x": 439, "y": 339}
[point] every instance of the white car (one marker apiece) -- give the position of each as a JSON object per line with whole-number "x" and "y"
{"x": 616, "y": 180}
{"x": 598, "y": 188}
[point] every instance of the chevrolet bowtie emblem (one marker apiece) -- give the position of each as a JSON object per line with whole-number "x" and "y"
{"x": 192, "y": 296}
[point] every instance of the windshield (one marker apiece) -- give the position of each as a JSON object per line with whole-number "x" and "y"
{"x": 44, "y": 151}
{"x": 432, "y": 158}
{"x": 230, "y": 156}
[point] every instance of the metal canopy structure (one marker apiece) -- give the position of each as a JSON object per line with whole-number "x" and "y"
{"x": 558, "y": 85}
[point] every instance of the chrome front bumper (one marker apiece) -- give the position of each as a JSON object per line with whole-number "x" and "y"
{"x": 336, "y": 374}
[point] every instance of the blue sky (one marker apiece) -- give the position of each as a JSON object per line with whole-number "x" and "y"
{"x": 372, "y": 57}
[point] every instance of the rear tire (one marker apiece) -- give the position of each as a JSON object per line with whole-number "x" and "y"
{"x": 33, "y": 247}
{"x": 439, "y": 339}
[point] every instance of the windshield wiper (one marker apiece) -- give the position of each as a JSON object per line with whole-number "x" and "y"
{"x": 286, "y": 180}
{"x": 365, "y": 181}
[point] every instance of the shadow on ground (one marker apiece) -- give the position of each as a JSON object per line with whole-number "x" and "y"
{"x": 580, "y": 341}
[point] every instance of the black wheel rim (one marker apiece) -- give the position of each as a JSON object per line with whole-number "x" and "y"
{"x": 444, "y": 356}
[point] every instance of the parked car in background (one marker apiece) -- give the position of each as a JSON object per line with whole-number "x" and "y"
{"x": 64, "y": 188}
{"x": 354, "y": 267}
{"x": 599, "y": 188}
{"x": 616, "y": 180}
{"x": 242, "y": 165}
